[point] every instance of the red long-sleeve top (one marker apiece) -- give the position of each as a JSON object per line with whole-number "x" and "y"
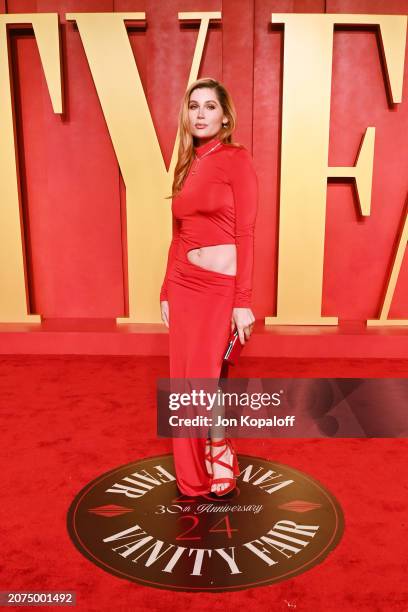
{"x": 217, "y": 205}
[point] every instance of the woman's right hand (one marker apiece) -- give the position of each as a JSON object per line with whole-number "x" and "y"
{"x": 164, "y": 307}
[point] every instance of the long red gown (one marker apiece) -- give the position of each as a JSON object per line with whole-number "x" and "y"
{"x": 217, "y": 205}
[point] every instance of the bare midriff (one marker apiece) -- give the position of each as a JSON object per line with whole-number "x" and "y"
{"x": 219, "y": 258}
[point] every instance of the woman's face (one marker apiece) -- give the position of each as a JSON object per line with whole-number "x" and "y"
{"x": 205, "y": 113}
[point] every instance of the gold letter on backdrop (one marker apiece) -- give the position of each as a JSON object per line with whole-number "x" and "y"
{"x": 392, "y": 281}
{"x": 117, "y": 81}
{"x": 307, "y": 69}
{"x": 13, "y": 303}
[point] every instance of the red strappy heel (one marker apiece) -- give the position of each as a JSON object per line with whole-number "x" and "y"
{"x": 207, "y": 457}
{"x": 234, "y": 468}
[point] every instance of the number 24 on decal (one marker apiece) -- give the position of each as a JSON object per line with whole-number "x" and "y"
{"x": 195, "y": 521}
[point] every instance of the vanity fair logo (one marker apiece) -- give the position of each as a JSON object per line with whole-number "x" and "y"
{"x": 133, "y": 523}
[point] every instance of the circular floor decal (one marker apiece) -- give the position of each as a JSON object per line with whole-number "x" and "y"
{"x": 133, "y": 522}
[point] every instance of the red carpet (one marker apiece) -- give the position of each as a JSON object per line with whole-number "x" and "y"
{"x": 65, "y": 420}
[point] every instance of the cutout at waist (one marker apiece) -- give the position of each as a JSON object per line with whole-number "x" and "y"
{"x": 214, "y": 259}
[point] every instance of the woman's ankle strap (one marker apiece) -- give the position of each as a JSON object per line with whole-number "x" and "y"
{"x": 222, "y": 442}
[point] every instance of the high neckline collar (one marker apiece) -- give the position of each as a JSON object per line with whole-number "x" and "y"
{"x": 204, "y": 148}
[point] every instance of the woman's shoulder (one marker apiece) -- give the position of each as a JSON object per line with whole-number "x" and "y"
{"x": 237, "y": 154}
{"x": 238, "y": 163}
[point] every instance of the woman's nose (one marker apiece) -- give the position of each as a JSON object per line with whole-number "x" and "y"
{"x": 200, "y": 112}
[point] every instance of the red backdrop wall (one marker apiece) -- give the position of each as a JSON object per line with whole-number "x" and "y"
{"x": 73, "y": 194}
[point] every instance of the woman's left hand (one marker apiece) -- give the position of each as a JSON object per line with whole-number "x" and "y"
{"x": 243, "y": 319}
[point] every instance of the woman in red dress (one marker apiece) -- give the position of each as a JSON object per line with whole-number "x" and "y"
{"x": 207, "y": 289}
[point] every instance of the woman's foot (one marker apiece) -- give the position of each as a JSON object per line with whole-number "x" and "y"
{"x": 224, "y": 466}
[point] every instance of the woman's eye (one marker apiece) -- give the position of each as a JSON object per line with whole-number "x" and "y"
{"x": 194, "y": 107}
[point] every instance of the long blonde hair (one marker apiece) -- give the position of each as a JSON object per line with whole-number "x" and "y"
{"x": 186, "y": 142}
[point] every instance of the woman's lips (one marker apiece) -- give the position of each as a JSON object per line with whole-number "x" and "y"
{"x": 200, "y": 127}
